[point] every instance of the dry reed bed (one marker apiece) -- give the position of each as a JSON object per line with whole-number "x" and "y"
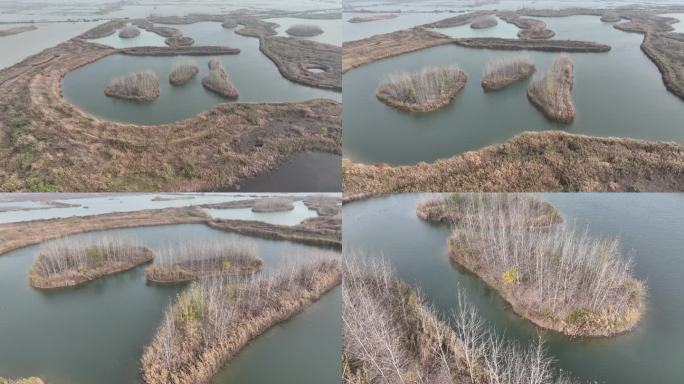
{"x": 217, "y": 80}
{"x": 304, "y": 30}
{"x": 483, "y": 22}
{"x": 273, "y": 204}
{"x": 367, "y": 19}
{"x": 557, "y": 277}
{"x": 140, "y": 86}
{"x": 182, "y": 72}
{"x": 501, "y": 73}
{"x": 551, "y": 93}
{"x": 69, "y": 262}
{"x": 427, "y": 90}
{"x": 448, "y": 208}
{"x": 129, "y": 32}
{"x": 390, "y": 335}
{"x": 181, "y": 263}
{"x": 213, "y": 320}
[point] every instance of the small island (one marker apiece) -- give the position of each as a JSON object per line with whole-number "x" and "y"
{"x": 229, "y": 24}
{"x": 272, "y": 204}
{"x": 304, "y": 30}
{"x": 70, "y": 262}
{"x": 141, "y": 86}
{"x": 610, "y": 17}
{"x": 429, "y": 89}
{"x": 558, "y": 277}
{"x": 483, "y": 22}
{"x": 186, "y": 263}
{"x": 217, "y": 80}
{"x": 179, "y": 41}
{"x": 552, "y": 92}
{"x": 367, "y": 19}
{"x": 17, "y": 30}
{"x": 182, "y": 72}
{"x": 214, "y": 319}
{"x": 501, "y": 73}
{"x": 129, "y": 32}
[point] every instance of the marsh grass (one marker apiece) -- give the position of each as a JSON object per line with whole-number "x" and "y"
{"x": 390, "y": 335}
{"x": 428, "y": 89}
{"x": 189, "y": 261}
{"x": 502, "y": 72}
{"x": 304, "y": 30}
{"x": 140, "y": 86}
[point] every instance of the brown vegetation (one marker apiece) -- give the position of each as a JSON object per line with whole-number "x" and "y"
{"x": 530, "y": 29}
{"x": 141, "y": 86}
{"x": 450, "y": 208}
{"x": 229, "y": 24}
{"x": 212, "y": 321}
{"x": 666, "y": 50}
{"x": 610, "y": 17}
{"x": 30, "y": 380}
{"x": 188, "y": 262}
{"x": 17, "y": 30}
{"x": 533, "y": 45}
{"x": 179, "y": 41}
{"x": 429, "y": 89}
{"x": 360, "y": 52}
{"x": 182, "y": 72}
{"x": 273, "y": 204}
{"x": 304, "y": 30}
{"x": 558, "y": 278}
{"x": 217, "y": 80}
{"x": 552, "y": 92}
{"x": 161, "y": 31}
{"x": 457, "y": 21}
{"x": 533, "y": 162}
{"x": 104, "y": 30}
{"x": 294, "y": 57}
{"x": 178, "y": 51}
{"x": 483, "y": 22}
{"x": 367, "y": 19}
{"x": 129, "y": 32}
{"x": 501, "y": 73}
{"x": 69, "y": 262}
{"x": 391, "y": 335}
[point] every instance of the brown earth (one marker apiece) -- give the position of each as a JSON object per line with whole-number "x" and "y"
{"x": 533, "y": 162}
{"x": 294, "y": 57}
{"x": 47, "y": 144}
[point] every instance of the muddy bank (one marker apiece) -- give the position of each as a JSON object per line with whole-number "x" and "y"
{"x": 368, "y": 19}
{"x": 667, "y": 52}
{"x": 360, "y": 52}
{"x": 77, "y": 275}
{"x": 249, "y": 139}
{"x": 296, "y": 57}
{"x": 16, "y": 30}
{"x": 533, "y": 162}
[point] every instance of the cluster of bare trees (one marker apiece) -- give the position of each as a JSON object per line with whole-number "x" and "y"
{"x": 214, "y": 317}
{"x": 390, "y": 336}
{"x": 503, "y": 71}
{"x": 138, "y": 86}
{"x": 552, "y": 89}
{"x": 424, "y": 86}
{"x": 217, "y": 80}
{"x": 191, "y": 260}
{"x": 183, "y": 71}
{"x": 304, "y": 30}
{"x": 273, "y": 204}
{"x": 81, "y": 254}
{"x": 556, "y": 270}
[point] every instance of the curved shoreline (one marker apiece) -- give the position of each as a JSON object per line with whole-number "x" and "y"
{"x": 459, "y": 256}
{"x": 73, "y": 278}
{"x": 33, "y": 89}
{"x": 520, "y": 165}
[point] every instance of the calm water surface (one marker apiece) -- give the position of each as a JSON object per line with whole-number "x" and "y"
{"x": 605, "y": 83}
{"x": 293, "y": 217}
{"x": 254, "y": 75}
{"x": 96, "y": 333}
{"x": 650, "y": 228}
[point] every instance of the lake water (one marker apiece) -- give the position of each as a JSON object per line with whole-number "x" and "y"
{"x": 96, "y": 333}
{"x": 292, "y": 217}
{"x": 332, "y": 28}
{"x": 254, "y": 75}
{"x": 650, "y": 228}
{"x": 618, "y": 93}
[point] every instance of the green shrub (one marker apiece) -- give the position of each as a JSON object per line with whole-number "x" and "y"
{"x": 511, "y": 276}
